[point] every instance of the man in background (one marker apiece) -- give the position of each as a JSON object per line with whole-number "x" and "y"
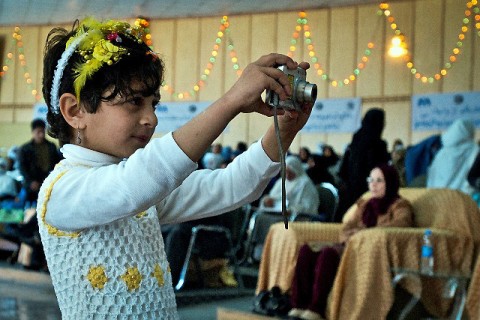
{"x": 37, "y": 158}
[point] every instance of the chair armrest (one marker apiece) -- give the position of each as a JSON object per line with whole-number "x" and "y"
{"x": 366, "y": 269}
{"x": 281, "y": 249}
{"x": 314, "y": 231}
{"x": 212, "y": 228}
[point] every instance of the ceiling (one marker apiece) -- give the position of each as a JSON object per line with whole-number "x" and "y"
{"x": 57, "y": 12}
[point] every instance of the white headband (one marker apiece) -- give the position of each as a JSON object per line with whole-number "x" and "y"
{"x": 57, "y": 76}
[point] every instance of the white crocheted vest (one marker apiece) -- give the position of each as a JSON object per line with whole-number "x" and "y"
{"x": 114, "y": 271}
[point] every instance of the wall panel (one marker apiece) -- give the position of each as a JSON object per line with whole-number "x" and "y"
{"x": 264, "y": 41}
{"x": 427, "y": 48}
{"x": 370, "y": 30}
{"x": 239, "y": 37}
{"x": 456, "y": 80}
{"x": 397, "y": 77}
{"x": 343, "y": 53}
{"x": 319, "y": 22}
{"x": 187, "y": 54}
{"x": 9, "y": 80}
{"x": 339, "y": 36}
{"x": 216, "y": 80}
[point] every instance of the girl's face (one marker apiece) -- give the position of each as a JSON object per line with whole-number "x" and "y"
{"x": 376, "y": 183}
{"x": 121, "y": 126}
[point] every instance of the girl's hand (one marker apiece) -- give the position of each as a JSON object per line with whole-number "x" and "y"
{"x": 259, "y": 76}
{"x": 293, "y": 121}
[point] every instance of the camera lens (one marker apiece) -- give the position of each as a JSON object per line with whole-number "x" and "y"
{"x": 306, "y": 92}
{"x": 311, "y": 92}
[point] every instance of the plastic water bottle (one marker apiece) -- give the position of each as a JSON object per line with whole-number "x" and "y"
{"x": 426, "y": 261}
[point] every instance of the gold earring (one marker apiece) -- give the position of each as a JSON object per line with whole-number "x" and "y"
{"x": 79, "y": 139}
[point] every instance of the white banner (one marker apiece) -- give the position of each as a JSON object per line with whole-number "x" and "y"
{"x": 438, "y": 111}
{"x": 172, "y": 115}
{"x": 335, "y": 115}
{"x": 330, "y": 115}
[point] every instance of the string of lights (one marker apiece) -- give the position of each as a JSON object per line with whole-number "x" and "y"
{"x": 17, "y": 41}
{"x": 222, "y": 31}
{"x": 399, "y": 48}
{"x": 472, "y": 9}
{"x": 302, "y": 24}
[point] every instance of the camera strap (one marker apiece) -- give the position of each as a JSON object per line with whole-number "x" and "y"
{"x": 285, "y": 213}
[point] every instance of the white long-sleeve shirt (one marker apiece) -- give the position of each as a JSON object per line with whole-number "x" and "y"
{"x": 100, "y": 218}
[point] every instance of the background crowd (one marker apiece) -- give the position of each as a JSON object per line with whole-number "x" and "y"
{"x": 447, "y": 160}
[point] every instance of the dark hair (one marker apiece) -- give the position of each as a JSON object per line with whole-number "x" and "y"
{"x": 37, "y": 123}
{"x": 242, "y": 146}
{"x": 137, "y": 65}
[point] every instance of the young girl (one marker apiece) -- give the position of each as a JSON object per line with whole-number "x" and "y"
{"x": 101, "y": 208}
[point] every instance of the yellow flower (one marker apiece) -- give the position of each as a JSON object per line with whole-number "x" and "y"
{"x": 105, "y": 51}
{"x": 158, "y": 274}
{"x": 97, "y": 277}
{"x": 132, "y": 278}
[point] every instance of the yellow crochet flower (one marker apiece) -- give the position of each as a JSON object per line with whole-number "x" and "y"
{"x": 105, "y": 51}
{"x": 98, "y": 47}
{"x": 97, "y": 277}
{"x": 132, "y": 278}
{"x": 158, "y": 274}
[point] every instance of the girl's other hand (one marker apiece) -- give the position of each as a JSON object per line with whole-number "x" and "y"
{"x": 261, "y": 75}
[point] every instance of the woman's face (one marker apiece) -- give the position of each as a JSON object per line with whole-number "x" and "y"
{"x": 376, "y": 183}
{"x": 290, "y": 174}
{"x": 303, "y": 154}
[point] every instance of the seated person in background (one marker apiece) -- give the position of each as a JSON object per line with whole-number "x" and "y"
{"x": 13, "y": 163}
{"x": 241, "y": 148}
{"x": 301, "y": 194}
{"x": 451, "y": 164}
{"x": 474, "y": 173}
{"x": 213, "y": 159}
{"x": 474, "y": 179}
{"x": 316, "y": 269}
{"x": 301, "y": 197}
{"x": 8, "y": 185}
{"x": 398, "y": 160}
{"x": 304, "y": 154}
{"x": 322, "y": 168}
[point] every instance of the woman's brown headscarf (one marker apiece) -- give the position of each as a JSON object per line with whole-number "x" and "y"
{"x": 379, "y": 206}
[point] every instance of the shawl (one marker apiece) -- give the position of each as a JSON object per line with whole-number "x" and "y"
{"x": 450, "y": 167}
{"x": 379, "y": 206}
{"x": 302, "y": 196}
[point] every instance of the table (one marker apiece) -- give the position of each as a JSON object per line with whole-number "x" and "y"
{"x": 455, "y": 287}
{"x": 281, "y": 247}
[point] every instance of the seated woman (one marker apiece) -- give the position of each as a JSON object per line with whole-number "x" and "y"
{"x": 316, "y": 269}
{"x": 301, "y": 197}
{"x": 301, "y": 194}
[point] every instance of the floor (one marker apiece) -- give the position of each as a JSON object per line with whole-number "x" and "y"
{"x": 28, "y": 295}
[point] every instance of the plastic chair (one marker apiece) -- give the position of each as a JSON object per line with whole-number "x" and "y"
{"x": 231, "y": 235}
{"x": 329, "y": 200}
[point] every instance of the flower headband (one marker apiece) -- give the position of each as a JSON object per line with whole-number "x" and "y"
{"x": 97, "y": 43}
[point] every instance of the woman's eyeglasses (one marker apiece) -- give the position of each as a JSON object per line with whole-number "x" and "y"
{"x": 372, "y": 180}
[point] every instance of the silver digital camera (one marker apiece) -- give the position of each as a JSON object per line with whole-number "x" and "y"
{"x": 302, "y": 91}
